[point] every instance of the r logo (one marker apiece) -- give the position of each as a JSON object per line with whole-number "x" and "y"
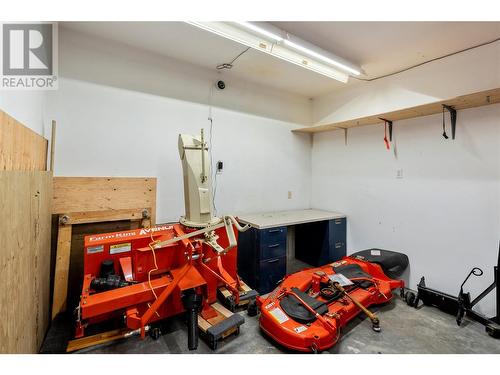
{"x": 27, "y": 49}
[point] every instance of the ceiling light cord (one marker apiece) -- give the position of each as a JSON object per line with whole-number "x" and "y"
{"x": 230, "y": 64}
{"x": 426, "y": 62}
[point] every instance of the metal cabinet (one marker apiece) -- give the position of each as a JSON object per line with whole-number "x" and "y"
{"x": 262, "y": 257}
{"x": 262, "y": 252}
{"x": 321, "y": 242}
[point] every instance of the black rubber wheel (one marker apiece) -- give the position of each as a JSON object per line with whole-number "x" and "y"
{"x": 155, "y": 333}
{"x": 213, "y": 344}
{"x": 252, "y": 309}
{"x": 410, "y": 298}
{"x": 231, "y": 305}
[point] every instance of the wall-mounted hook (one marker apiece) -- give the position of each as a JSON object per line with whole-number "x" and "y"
{"x": 387, "y": 142}
{"x": 453, "y": 118}
{"x": 388, "y": 122}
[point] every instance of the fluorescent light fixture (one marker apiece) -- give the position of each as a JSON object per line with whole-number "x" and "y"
{"x": 321, "y": 57}
{"x": 261, "y": 31}
{"x": 266, "y": 38}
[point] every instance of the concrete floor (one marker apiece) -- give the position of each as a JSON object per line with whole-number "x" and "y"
{"x": 404, "y": 330}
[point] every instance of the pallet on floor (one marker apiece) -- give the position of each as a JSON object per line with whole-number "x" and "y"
{"x": 247, "y": 296}
{"x": 222, "y": 325}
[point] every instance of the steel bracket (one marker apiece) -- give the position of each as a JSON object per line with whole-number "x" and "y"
{"x": 453, "y": 118}
{"x": 390, "y": 127}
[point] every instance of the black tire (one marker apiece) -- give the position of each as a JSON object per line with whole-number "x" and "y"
{"x": 213, "y": 344}
{"x": 410, "y": 299}
{"x": 155, "y": 333}
{"x": 252, "y": 308}
{"x": 231, "y": 305}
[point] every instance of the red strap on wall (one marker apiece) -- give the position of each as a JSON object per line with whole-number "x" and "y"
{"x": 386, "y": 141}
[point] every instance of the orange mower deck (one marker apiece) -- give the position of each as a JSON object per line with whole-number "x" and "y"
{"x": 307, "y": 311}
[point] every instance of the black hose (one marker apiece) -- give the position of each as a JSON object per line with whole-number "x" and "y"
{"x": 192, "y": 304}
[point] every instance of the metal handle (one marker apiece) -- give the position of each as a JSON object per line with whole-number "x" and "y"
{"x": 273, "y": 261}
{"x": 338, "y": 245}
{"x": 275, "y": 230}
{"x": 274, "y": 245}
{"x": 338, "y": 221}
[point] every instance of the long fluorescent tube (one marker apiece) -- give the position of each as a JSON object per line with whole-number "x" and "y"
{"x": 261, "y": 31}
{"x": 266, "y": 39}
{"x": 299, "y": 45}
{"x": 319, "y": 56}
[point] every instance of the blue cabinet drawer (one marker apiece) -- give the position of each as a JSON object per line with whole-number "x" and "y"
{"x": 271, "y": 236}
{"x": 273, "y": 250}
{"x": 270, "y": 272}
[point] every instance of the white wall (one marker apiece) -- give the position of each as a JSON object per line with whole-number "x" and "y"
{"x": 26, "y": 107}
{"x": 105, "y": 131}
{"x": 443, "y": 213}
{"x": 465, "y": 73}
{"x": 119, "y": 112}
{"x": 108, "y": 63}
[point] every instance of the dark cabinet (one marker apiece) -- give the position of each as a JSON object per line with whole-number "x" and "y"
{"x": 262, "y": 252}
{"x": 262, "y": 257}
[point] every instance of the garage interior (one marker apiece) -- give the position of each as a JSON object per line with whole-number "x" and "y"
{"x": 254, "y": 188}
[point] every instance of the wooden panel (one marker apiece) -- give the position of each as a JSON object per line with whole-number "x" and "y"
{"x": 102, "y": 216}
{"x": 20, "y": 148}
{"x": 62, "y": 269}
{"x": 80, "y": 200}
{"x": 25, "y": 216}
{"x": 100, "y": 338}
{"x": 221, "y": 309}
{"x": 79, "y": 194}
{"x": 462, "y": 102}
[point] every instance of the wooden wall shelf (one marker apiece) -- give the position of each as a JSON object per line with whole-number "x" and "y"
{"x": 461, "y": 102}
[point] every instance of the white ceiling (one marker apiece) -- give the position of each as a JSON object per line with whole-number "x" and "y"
{"x": 378, "y": 47}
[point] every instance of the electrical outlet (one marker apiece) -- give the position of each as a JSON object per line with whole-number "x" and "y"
{"x": 399, "y": 173}
{"x": 289, "y": 194}
{"x": 219, "y": 166}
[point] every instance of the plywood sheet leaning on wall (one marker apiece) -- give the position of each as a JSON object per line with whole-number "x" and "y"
{"x": 81, "y": 200}
{"x": 21, "y": 149}
{"x": 88, "y": 194}
{"x": 25, "y": 214}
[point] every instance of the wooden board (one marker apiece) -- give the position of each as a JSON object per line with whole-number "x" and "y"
{"x": 81, "y": 194}
{"x": 102, "y": 216}
{"x": 462, "y": 102}
{"x": 222, "y": 314}
{"x": 100, "y": 338}
{"x": 244, "y": 289}
{"x": 62, "y": 269}
{"x": 25, "y": 216}
{"x": 20, "y": 147}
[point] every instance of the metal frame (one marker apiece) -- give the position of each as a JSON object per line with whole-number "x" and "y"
{"x": 462, "y": 304}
